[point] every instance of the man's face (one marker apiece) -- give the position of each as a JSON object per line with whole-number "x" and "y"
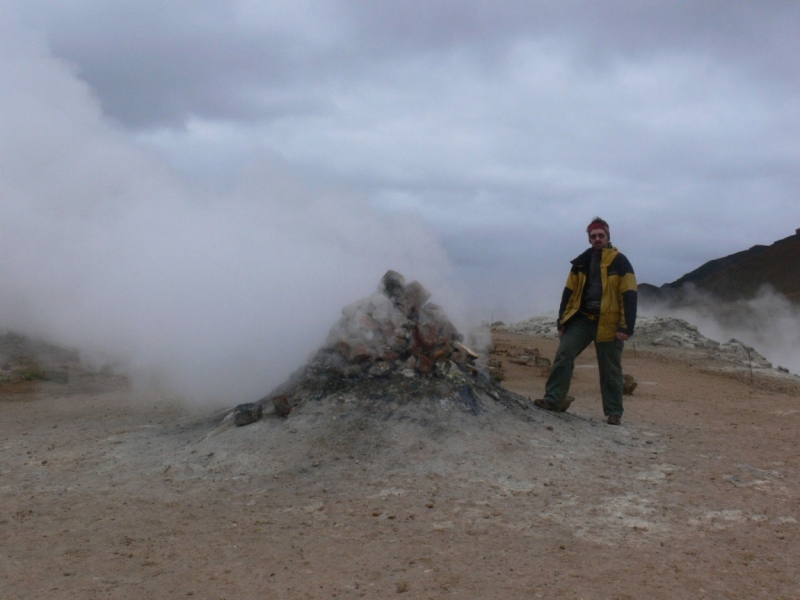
{"x": 598, "y": 238}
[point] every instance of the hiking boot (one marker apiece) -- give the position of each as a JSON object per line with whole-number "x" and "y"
{"x": 614, "y": 419}
{"x": 547, "y": 405}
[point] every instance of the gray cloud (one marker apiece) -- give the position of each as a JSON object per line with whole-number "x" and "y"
{"x": 156, "y": 64}
{"x": 502, "y": 126}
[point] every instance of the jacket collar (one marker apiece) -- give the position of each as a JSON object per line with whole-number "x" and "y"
{"x": 584, "y": 257}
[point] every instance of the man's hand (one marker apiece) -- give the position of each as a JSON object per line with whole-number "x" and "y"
{"x": 622, "y": 336}
{"x": 560, "y": 333}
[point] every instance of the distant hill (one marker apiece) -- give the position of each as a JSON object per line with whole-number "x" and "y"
{"x": 738, "y": 276}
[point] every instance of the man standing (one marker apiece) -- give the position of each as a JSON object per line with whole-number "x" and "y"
{"x": 598, "y": 305}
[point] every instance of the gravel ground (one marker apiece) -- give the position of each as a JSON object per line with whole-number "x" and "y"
{"x": 113, "y": 492}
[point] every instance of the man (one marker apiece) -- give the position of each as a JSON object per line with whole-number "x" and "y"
{"x": 598, "y": 305}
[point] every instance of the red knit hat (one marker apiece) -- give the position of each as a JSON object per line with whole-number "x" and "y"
{"x": 598, "y": 223}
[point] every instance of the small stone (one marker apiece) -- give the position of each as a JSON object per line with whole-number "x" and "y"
{"x": 244, "y": 414}
{"x": 459, "y": 358}
{"x": 390, "y": 355}
{"x": 416, "y": 295}
{"x": 497, "y": 374}
{"x": 282, "y": 406}
{"x": 628, "y": 384}
{"x": 380, "y": 369}
{"x": 351, "y": 371}
{"x": 541, "y": 361}
{"x": 361, "y": 353}
{"x": 393, "y": 285}
{"x": 426, "y": 334}
{"x": 471, "y": 354}
{"x": 441, "y": 352}
{"x": 425, "y": 365}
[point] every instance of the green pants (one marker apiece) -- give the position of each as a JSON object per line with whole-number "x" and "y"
{"x": 579, "y": 332}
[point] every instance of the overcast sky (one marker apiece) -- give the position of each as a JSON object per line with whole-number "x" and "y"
{"x": 198, "y": 161}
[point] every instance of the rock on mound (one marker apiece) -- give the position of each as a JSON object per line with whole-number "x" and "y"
{"x": 32, "y": 360}
{"x": 26, "y": 359}
{"x": 393, "y": 349}
{"x": 671, "y": 332}
{"x": 543, "y": 326}
{"x": 664, "y": 332}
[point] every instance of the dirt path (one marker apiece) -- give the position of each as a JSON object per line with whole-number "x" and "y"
{"x": 116, "y": 493}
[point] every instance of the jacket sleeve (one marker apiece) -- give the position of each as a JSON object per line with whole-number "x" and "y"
{"x": 569, "y": 289}
{"x": 628, "y": 292}
{"x": 565, "y": 296}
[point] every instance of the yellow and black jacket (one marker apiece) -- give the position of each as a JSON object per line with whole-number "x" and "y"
{"x": 618, "y": 302}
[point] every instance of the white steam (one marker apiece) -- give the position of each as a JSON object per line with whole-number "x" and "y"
{"x": 104, "y": 247}
{"x": 769, "y": 323}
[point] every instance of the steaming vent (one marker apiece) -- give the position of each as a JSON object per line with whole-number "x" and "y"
{"x": 392, "y": 353}
{"x": 395, "y": 330}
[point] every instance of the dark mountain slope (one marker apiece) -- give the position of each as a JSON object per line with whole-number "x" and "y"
{"x": 740, "y": 275}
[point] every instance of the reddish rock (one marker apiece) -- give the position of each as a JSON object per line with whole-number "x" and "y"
{"x": 441, "y": 352}
{"x": 425, "y": 365}
{"x": 361, "y": 353}
{"x": 459, "y": 358}
{"x": 367, "y": 322}
{"x": 426, "y": 335}
{"x": 282, "y": 406}
{"x": 433, "y": 313}
{"x": 466, "y": 351}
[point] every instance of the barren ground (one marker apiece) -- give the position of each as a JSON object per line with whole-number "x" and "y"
{"x": 109, "y": 492}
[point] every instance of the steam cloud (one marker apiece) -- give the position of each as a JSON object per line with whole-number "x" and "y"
{"x": 103, "y": 246}
{"x": 769, "y": 323}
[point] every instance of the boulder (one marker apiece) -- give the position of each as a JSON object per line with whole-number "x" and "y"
{"x": 282, "y": 406}
{"x": 244, "y": 414}
{"x": 628, "y": 384}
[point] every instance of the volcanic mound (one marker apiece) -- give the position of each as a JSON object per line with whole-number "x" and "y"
{"x": 394, "y": 355}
